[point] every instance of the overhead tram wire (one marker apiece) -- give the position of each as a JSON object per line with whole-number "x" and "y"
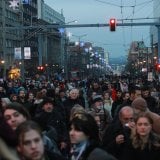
{"x": 131, "y": 19}
{"x": 142, "y": 7}
{"x": 146, "y": 2}
{"x": 113, "y": 4}
{"x": 155, "y": 8}
{"x": 123, "y": 29}
{"x": 133, "y": 14}
{"x": 132, "y": 6}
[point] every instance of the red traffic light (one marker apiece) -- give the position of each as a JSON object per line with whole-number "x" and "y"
{"x": 112, "y": 24}
{"x": 41, "y": 68}
{"x": 158, "y": 67}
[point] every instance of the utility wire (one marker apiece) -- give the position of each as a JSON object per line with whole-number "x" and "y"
{"x": 146, "y": 2}
{"x": 134, "y": 11}
{"x": 141, "y": 18}
{"x": 133, "y": 14}
{"x": 155, "y": 8}
{"x": 140, "y": 9}
{"x": 123, "y": 30}
{"x": 113, "y": 4}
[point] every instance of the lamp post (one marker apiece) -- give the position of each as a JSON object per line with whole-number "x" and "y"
{"x": 67, "y": 36}
{"x": 4, "y": 37}
{"x": 79, "y": 39}
{"x": 88, "y": 59}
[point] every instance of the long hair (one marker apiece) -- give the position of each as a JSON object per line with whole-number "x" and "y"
{"x": 152, "y": 140}
{"x": 86, "y": 123}
{"x": 25, "y": 127}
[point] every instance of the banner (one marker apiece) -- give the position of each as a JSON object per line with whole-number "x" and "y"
{"x": 27, "y": 53}
{"x": 17, "y": 53}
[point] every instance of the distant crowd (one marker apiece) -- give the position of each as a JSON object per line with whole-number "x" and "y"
{"x": 93, "y": 119}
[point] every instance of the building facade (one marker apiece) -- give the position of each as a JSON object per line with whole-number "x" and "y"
{"x": 46, "y": 45}
{"x": 52, "y": 42}
{"x": 140, "y": 59}
{"x": 8, "y": 38}
{"x": 156, "y": 14}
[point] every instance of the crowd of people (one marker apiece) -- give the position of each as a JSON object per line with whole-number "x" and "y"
{"x": 80, "y": 120}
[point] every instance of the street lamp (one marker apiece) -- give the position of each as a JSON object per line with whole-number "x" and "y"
{"x": 79, "y": 36}
{"x": 2, "y": 61}
{"x": 74, "y": 21}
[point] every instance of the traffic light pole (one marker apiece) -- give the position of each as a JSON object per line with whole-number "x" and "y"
{"x": 157, "y": 24}
{"x": 80, "y": 25}
{"x": 158, "y": 27}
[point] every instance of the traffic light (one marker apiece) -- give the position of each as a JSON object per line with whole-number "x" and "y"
{"x": 158, "y": 67}
{"x": 40, "y": 68}
{"x": 112, "y": 24}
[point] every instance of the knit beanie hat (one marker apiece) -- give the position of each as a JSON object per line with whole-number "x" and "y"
{"x": 47, "y": 100}
{"x": 139, "y": 103}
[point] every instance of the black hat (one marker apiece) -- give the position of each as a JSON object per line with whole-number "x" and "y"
{"x": 47, "y": 100}
{"x": 97, "y": 98}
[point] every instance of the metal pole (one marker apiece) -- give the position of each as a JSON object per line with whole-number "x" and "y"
{"x": 158, "y": 58}
{"x": 152, "y": 56}
{"x": 22, "y": 46}
{"x": 66, "y": 57}
{"x": 147, "y": 62}
{"x": 158, "y": 45}
{"x": 83, "y": 25}
{"x": 4, "y": 37}
{"x": 39, "y": 49}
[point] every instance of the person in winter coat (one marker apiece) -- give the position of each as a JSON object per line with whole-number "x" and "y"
{"x": 85, "y": 140}
{"x": 15, "y": 114}
{"x": 118, "y": 132}
{"x": 50, "y": 117}
{"x": 139, "y": 105}
{"x": 70, "y": 102}
{"x": 118, "y": 101}
{"x": 107, "y": 102}
{"x": 144, "y": 143}
{"x": 151, "y": 101}
{"x": 7, "y": 141}
{"x": 30, "y": 143}
{"x": 98, "y": 108}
